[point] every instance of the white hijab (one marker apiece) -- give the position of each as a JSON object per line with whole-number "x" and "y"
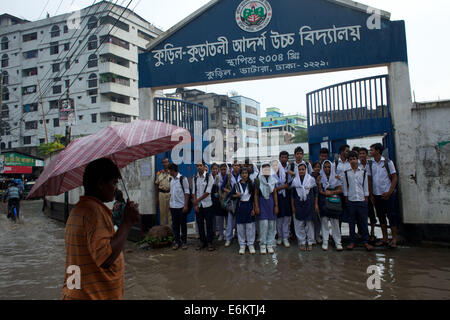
{"x": 303, "y": 188}
{"x": 280, "y": 176}
{"x": 267, "y": 185}
{"x": 331, "y": 182}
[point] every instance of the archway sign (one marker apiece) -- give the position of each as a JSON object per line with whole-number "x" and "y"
{"x": 229, "y": 40}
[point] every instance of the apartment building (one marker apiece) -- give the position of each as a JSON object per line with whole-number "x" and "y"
{"x": 281, "y": 127}
{"x": 90, "y": 56}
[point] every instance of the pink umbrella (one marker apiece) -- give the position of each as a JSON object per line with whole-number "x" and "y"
{"x": 122, "y": 144}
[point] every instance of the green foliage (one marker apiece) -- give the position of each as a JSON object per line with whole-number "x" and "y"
{"x": 155, "y": 240}
{"x": 300, "y": 136}
{"x": 46, "y": 149}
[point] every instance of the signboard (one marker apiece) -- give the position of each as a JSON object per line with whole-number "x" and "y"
{"x": 67, "y": 111}
{"x": 2, "y": 159}
{"x": 15, "y": 159}
{"x": 232, "y": 40}
{"x": 17, "y": 170}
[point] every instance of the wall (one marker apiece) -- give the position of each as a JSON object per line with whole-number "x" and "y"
{"x": 432, "y": 162}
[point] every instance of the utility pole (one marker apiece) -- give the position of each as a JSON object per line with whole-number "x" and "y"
{"x": 1, "y": 102}
{"x": 66, "y": 143}
{"x": 43, "y": 112}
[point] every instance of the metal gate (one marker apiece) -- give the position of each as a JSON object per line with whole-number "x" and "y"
{"x": 183, "y": 114}
{"x": 353, "y": 109}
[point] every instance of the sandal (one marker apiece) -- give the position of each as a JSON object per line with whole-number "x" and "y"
{"x": 351, "y": 246}
{"x": 184, "y": 247}
{"x": 303, "y": 247}
{"x": 372, "y": 239}
{"x": 368, "y": 247}
{"x": 200, "y": 247}
{"x": 211, "y": 248}
{"x": 175, "y": 246}
{"x": 392, "y": 245}
{"x": 310, "y": 248}
{"x": 381, "y": 243}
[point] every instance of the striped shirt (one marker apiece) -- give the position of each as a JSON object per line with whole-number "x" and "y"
{"x": 89, "y": 231}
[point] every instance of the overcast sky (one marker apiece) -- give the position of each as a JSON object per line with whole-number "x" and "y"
{"x": 427, "y": 30}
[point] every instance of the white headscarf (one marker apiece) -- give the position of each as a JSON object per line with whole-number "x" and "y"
{"x": 331, "y": 182}
{"x": 280, "y": 176}
{"x": 267, "y": 185}
{"x": 303, "y": 188}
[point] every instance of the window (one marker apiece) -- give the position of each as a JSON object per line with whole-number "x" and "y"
{"x": 54, "y": 104}
{"x": 54, "y": 48}
{"x": 5, "y": 61}
{"x": 30, "y": 54}
{"x": 94, "y": 99}
{"x": 29, "y": 37}
{"x": 66, "y": 29}
{"x": 67, "y": 46}
{"x": 251, "y": 122}
{"x": 92, "y": 82}
{"x": 93, "y": 61}
{"x": 5, "y": 111}
{"x": 55, "y": 32}
{"x": 55, "y": 67}
{"x": 26, "y": 140}
{"x": 32, "y": 107}
{"x": 41, "y": 141}
{"x": 92, "y": 23}
{"x": 9, "y": 145}
{"x": 145, "y": 36}
{"x": 28, "y": 90}
{"x": 57, "y": 79}
{"x": 5, "y": 43}
{"x": 251, "y": 110}
{"x": 92, "y": 43}
{"x": 5, "y": 80}
{"x": 56, "y": 122}
{"x": 116, "y": 41}
{"x": 29, "y": 72}
{"x": 213, "y": 117}
{"x": 6, "y": 129}
{"x": 5, "y": 94}
{"x": 94, "y": 118}
{"x": 114, "y": 22}
{"x": 93, "y": 92}
{"x": 30, "y": 125}
{"x": 56, "y": 89}
{"x": 67, "y": 64}
{"x": 67, "y": 83}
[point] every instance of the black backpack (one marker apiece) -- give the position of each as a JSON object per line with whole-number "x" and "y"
{"x": 184, "y": 192}
{"x": 346, "y": 178}
{"x": 386, "y": 165}
{"x": 207, "y": 181}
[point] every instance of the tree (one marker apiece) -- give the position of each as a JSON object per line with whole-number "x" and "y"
{"x": 300, "y": 136}
{"x": 48, "y": 148}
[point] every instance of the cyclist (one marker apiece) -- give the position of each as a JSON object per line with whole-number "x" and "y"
{"x": 13, "y": 194}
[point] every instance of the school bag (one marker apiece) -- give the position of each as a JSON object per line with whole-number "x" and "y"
{"x": 223, "y": 194}
{"x": 184, "y": 192}
{"x": 386, "y": 166}
{"x": 333, "y": 203}
{"x": 230, "y": 204}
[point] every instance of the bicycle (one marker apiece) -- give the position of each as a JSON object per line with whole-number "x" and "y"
{"x": 14, "y": 212}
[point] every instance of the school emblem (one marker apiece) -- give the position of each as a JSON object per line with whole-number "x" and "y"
{"x": 253, "y": 15}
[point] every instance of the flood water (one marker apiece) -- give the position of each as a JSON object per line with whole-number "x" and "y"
{"x": 32, "y": 260}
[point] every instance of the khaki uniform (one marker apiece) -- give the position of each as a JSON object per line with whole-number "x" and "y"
{"x": 163, "y": 183}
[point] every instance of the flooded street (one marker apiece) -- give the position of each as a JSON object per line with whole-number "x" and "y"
{"x": 32, "y": 260}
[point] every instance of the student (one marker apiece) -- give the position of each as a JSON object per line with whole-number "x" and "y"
{"x": 293, "y": 170}
{"x": 356, "y": 193}
{"x": 231, "y": 221}
{"x": 316, "y": 217}
{"x": 323, "y": 155}
{"x": 219, "y": 212}
{"x": 329, "y": 186}
{"x": 252, "y": 170}
{"x": 382, "y": 183}
{"x": 245, "y": 192}
{"x": 364, "y": 164}
{"x": 224, "y": 188}
{"x": 284, "y": 203}
{"x": 342, "y": 165}
{"x": 303, "y": 205}
{"x": 179, "y": 203}
{"x": 267, "y": 208}
{"x": 202, "y": 202}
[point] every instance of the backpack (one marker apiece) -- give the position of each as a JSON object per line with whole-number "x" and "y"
{"x": 207, "y": 180}
{"x": 364, "y": 179}
{"x": 386, "y": 166}
{"x": 184, "y": 192}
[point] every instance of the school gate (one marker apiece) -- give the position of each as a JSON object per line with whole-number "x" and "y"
{"x": 237, "y": 40}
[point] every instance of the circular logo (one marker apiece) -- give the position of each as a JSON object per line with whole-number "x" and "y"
{"x": 253, "y": 15}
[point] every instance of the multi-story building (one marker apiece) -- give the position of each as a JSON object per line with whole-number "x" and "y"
{"x": 250, "y": 121}
{"x": 90, "y": 56}
{"x": 224, "y": 115}
{"x": 281, "y": 127}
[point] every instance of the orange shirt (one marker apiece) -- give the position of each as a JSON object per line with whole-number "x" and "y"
{"x": 89, "y": 231}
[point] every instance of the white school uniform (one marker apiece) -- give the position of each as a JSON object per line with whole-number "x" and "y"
{"x": 199, "y": 189}
{"x": 381, "y": 181}
{"x": 177, "y": 196}
{"x": 355, "y": 190}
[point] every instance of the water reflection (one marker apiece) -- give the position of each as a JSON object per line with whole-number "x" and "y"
{"x": 32, "y": 260}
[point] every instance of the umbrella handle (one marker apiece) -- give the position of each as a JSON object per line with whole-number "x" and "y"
{"x": 126, "y": 191}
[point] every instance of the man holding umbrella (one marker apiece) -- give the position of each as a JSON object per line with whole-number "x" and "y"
{"x": 92, "y": 245}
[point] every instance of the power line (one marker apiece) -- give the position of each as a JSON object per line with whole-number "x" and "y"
{"x": 58, "y": 7}
{"x": 43, "y": 9}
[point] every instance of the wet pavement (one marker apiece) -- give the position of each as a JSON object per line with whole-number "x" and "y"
{"x": 32, "y": 260}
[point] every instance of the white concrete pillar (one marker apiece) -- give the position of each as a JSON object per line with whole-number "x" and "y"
{"x": 404, "y": 138}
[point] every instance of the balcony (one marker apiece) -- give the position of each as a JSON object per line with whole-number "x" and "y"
{"x": 121, "y": 108}
{"x": 113, "y": 87}
{"x": 109, "y": 67}
{"x": 130, "y": 54}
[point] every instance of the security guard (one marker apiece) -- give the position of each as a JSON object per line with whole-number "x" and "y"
{"x": 162, "y": 183}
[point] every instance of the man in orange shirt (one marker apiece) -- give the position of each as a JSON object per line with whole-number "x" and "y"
{"x": 93, "y": 248}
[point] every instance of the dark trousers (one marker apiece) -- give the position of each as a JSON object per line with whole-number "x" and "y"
{"x": 13, "y": 202}
{"x": 371, "y": 209}
{"x": 179, "y": 221}
{"x": 357, "y": 214}
{"x": 202, "y": 215}
{"x": 387, "y": 208}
